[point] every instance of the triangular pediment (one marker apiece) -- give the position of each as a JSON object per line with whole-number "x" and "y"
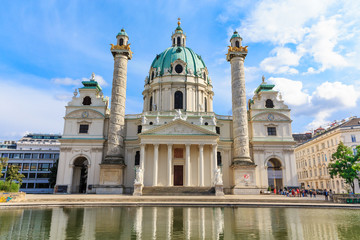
{"x": 178, "y": 127}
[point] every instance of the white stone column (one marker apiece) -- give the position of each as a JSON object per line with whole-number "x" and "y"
{"x": 156, "y": 160}
{"x": 201, "y": 167}
{"x": 142, "y": 156}
{"x": 187, "y": 166}
{"x": 214, "y": 161}
{"x": 169, "y": 164}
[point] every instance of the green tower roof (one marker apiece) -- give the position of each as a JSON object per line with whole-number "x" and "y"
{"x": 236, "y": 34}
{"x": 91, "y": 84}
{"x": 263, "y": 87}
{"x": 122, "y": 32}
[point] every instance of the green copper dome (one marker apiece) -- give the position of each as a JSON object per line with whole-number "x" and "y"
{"x": 171, "y": 54}
{"x": 122, "y": 32}
{"x": 236, "y": 34}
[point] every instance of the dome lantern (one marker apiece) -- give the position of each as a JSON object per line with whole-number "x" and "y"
{"x": 178, "y": 38}
{"x": 122, "y": 38}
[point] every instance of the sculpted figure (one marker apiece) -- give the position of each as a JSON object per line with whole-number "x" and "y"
{"x": 201, "y": 120}
{"x": 143, "y": 120}
{"x": 138, "y": 175}
{"x": 218, "y": 177}
{"x": 213, "y": 119}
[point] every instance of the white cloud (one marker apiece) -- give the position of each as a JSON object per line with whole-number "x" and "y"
{"x": 325, "y": 100}
{"x": 66, "y": 81}
{"x": 326, "y": 32}
{"x": 280, "y": 63}
{"x": 292, "y": 91}
{"x": 29, "y": 110}
{"x": 77, "y": 82}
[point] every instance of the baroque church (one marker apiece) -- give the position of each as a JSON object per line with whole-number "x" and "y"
{"x": 177, "y": 144}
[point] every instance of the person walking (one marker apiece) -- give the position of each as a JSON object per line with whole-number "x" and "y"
{"x": 314, "y": 194}
{"x": 311, "y": 193}
{"x": 326, "y": 195}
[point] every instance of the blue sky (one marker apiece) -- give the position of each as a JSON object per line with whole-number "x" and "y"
{"x": 309, "y": 49}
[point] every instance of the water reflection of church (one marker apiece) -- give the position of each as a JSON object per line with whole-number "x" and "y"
{"x": 177, "y": 144}
{"x": 178, "y": 223}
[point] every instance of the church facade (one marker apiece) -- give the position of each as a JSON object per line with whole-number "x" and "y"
{"x": 177, "y": 143}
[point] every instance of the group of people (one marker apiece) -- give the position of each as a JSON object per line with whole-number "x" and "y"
{"x": 296, "y": 192}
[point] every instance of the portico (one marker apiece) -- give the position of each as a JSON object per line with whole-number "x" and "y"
{"x": 168, "y": 157}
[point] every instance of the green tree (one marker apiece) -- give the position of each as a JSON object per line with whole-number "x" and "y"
{"x": 53, "y": 174}
{"x": 13, "y": 174}
{"x": 3, "y": 163}
{"x": 345, "y": 164}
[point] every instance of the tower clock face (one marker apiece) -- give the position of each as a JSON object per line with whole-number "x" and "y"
{"x": 270, "y": 117}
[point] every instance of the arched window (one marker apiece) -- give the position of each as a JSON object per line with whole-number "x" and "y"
{"x": 174, "y": 41}
{"x": 178, "y": 41}
{"x": 152, "y": 75}
{"x": 87, "y": 100}
{"x": 184, "y": 41}
{"x": 121, "y": 42}
{"x": 178, "y": 103}
{"x": 237, "y": 44}
{"x": 150, "y": 107}
{"x": 269, "y": 104}
{"x": 205, "y": 103}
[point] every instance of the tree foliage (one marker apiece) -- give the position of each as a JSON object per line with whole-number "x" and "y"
{"x": 345, "y": 165}
{"x": 13, "y": 174}
{"x": 3, "y": 163}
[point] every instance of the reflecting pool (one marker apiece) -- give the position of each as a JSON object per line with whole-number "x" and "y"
{"x": 179, "y": 223}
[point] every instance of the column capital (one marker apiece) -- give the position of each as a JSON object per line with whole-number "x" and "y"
{"x": 156, "y": 145}
{"x": 170, "y": 144}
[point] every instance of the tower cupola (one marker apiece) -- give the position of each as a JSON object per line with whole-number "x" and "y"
{"x": 122, "y": 38}
{"x": 235, "y": 40}
{"x": 178, "y": 38}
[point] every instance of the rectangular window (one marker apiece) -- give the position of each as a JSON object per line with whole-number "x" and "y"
{"x": 47, "y": 156}
{"x": 353, "y": 138}
{"x": 139, "y": 129}
{"x": 31, "y": 185}
{"x": 42, "y": 185}
{"x": 23, "y": 185}
{"x": 33, "y": 167}
{"x": 32, "y": 175}
{"x": 43, "y": 166}
{"x": 56, "y": 156}
{"x": 27, "y": 155}
{"x": 35, "y": 156}
{"x": 26, "y": 166}
{"x": 43, "y": 175}
{"x": 5, "y": 155}
{"x": 84, "y": 128}
{"x": 271, "y": 131}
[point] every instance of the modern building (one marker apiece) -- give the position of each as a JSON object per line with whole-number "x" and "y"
{"x": 177, "y": 143}
{"x": 313, "y": 156}
{"x": 34, "y": 154}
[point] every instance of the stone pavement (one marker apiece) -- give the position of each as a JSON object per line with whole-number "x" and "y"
{"x": 92, "y": 200}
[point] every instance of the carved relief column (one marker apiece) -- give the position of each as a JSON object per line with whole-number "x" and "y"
{"x": 112, "y": 166}
{"x": 169, "y": 164}
{"x": 201, "y": 165}
{"x": 156, "y": 160}
{"x": 240, "y": 120}
{"x": 187, "y": 166}
{"x": 244, "y": 167}
{"x": 115, "y": 144}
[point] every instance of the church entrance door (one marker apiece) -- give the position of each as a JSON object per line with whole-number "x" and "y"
{"x": 80, "y": 175}
{"x": 178, "y": 175}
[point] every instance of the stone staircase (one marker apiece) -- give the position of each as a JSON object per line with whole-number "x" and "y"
{"x": 178, "y": 191}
